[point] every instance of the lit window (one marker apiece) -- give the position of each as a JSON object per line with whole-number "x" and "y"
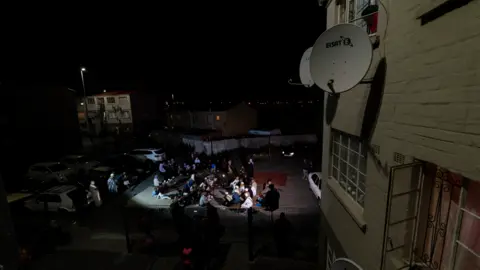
{"x": 349, "y": 164}
{"x": 217, "y": 117}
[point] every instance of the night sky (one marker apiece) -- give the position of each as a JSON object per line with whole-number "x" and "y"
{"x": 225, "y": 49}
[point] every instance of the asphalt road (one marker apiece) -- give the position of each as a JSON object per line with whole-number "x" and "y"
{"x": 101, "y": 232}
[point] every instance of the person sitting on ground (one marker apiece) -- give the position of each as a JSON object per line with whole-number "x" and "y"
{"x": 203, "y": 200}
{"x": 242, "y": 187}
{"x": 213, "y": 168}
{"x": 189, "y": 184}
{"x": 156, "y": 193}
{"x": 236, "y": 196}
{"x": 248, "y": 201}
{"x": 265, "y": 186}
{"x": 235, "y": 182}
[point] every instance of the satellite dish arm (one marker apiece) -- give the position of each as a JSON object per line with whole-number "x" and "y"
{"x": 292, "y": 83}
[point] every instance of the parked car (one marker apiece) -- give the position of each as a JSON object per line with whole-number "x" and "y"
{"x": 288, "y": 151}
{"x": 149, "y": 155}
{"x": 315, "y": 182}
{"x": 65, "y": 198}
{"x": 48, "y": 172}
{"x": 80, "y": 163}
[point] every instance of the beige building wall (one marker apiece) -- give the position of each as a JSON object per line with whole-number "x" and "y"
{"x": 430, "y": 111}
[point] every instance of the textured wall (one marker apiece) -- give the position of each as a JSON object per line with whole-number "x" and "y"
{"x": 430, "y": 111}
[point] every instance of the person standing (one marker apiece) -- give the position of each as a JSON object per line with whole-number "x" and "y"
{"x": 250, "y": 168}
{"x": 95, "y": 194}
{"x": 156, "y": 182}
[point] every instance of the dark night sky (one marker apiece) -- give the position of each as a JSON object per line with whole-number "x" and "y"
{"x": 230, "y": 49}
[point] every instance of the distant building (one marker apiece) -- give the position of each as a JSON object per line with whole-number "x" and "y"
{"x": 122, "y": 111}
{"x": 230, "y": 119}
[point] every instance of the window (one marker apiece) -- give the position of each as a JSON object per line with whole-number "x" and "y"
{"x": 217, "y": 117}
{"x": 90, "y": 100}
{"x": 126, "y": 115}
{"x": 100, "y": 101}
{"x": 123, "y": 101}
{"x": 354, "y": 11}
{"x": 341, "y": 10}
{"x": 110, "y": 100}
{"x": 349, "y": 164}
{"x": 331, "y": 257}
{"x": 112, "y": 115}
{"x": 317, "y": 180}
{"x": 447, "y": 231}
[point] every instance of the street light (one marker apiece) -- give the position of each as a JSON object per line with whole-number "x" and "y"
{"x": 85, "y": 109}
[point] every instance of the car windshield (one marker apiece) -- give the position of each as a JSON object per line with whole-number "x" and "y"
{"x": 57, "y": 167}
{"x": 158, "y": 152}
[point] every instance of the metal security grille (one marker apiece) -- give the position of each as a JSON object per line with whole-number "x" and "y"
{"x": 419, "y": 224}
{"x": 398, "y": 158}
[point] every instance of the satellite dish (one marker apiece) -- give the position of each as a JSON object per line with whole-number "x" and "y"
{"x": 345, "y": 264}
{"x": 305, "y": 76}
{"x": 340, "y": 58}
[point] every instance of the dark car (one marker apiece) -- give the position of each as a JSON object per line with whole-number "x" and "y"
{"x": 288, "y": 151}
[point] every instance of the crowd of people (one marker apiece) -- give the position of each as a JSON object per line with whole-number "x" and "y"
{"x": 241, "y": 188}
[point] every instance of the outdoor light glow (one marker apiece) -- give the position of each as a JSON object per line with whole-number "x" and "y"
{"x": 83, "y": 69}
{"x": 104, "y": 90}
{"x": 81, "y": 103}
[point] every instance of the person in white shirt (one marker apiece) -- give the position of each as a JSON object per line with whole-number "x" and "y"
{"x": 156, "y": 182}
{"x": 235, "y": 182}
{"x": 197, "y": 161}
{"x": 253, "y": 187}
{"x": 248, "y": 201}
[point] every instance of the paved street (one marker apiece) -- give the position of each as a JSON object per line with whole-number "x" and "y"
{"x": 102, "y": 232}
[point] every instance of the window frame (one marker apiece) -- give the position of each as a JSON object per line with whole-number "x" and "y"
{"x": 110, "y": 100}
{"x": 359, "y": 6}
{"x": 360, "y": 170}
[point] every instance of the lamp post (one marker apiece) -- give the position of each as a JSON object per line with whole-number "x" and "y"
{"x": 85, "y": 108}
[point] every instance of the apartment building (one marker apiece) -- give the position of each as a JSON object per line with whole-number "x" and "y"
{"x": 400, "y": 155}
{"x": 119, "y": 111}
{"x": 229, "y": 118}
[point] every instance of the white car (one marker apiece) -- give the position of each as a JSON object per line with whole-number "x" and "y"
{"x": 154, "y": 155}
{"x": 79, "y": 163}
{"x": 58, "y": 199}
{"x": 49, "y": 172}
{"x": 315, "y": 182}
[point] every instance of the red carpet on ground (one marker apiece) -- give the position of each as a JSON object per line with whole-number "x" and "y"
{"x": 278, "y": 179}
